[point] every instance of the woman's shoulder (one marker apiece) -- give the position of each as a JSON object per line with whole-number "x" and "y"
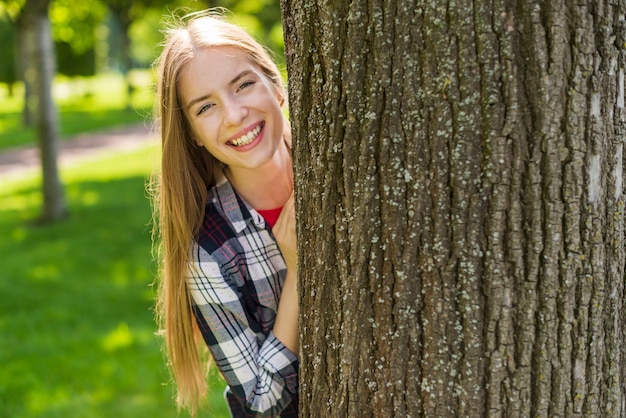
{"x": 224, "y": 216}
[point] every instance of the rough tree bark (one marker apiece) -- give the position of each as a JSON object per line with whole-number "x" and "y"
{"x": 39, "y": 70}
{"x": 459, "y": 186}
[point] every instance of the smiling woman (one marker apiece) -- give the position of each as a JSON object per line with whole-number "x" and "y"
{"x": 226, "y": 216}
{"x": 238, "y": 120}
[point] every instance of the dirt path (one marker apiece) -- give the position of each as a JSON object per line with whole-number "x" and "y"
{"x": 18, "y": 161}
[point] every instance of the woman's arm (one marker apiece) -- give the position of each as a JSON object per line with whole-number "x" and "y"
{"x": 286, "y": 325}
{"x": 263, "y": 377}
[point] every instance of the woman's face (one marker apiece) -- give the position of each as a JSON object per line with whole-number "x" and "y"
{"x": 233, "y": 109}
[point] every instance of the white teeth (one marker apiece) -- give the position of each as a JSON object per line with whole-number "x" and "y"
{"x": 247, "y": 138}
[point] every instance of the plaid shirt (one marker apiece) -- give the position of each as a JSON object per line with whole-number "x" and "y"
{"x": 235, "y": 284}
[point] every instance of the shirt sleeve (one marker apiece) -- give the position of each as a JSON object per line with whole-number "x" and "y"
{"x": 259, "y": 370}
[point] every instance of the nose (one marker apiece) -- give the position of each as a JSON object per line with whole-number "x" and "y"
{"x": 234, "y": 112}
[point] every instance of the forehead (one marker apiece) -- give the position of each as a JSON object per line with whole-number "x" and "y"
{"x": 210, "y": 69}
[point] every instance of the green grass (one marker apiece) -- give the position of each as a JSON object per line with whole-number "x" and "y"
{"x": 76, "y": 320}
{"x": 83, "y": 105}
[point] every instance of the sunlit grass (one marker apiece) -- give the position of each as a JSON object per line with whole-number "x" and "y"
{"x": 84, "y": 104}
{"x": 76, "y": 318}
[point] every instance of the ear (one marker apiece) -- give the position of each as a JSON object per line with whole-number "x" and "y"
{"x": 280, "y": 96}
{"x": 197, "y": 141}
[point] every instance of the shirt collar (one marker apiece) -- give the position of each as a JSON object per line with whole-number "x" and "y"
{"x": 235, "y": 208}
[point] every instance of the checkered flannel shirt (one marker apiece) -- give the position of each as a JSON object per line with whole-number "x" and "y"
{"x": 235, "y": 284}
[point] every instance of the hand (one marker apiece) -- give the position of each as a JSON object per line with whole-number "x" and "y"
{"x": 285, "y": 233}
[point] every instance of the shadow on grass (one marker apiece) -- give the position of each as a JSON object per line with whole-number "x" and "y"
{"x": 76, "y": 316}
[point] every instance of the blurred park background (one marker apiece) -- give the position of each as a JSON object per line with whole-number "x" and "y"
{"x": 77, "y": 331}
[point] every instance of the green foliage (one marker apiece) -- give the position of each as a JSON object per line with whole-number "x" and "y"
{"x": 74, "y": 28}
{"x": 11, "y": 9}
{"x": 72, "y": 63}
{"x": 145, "y": 37}
{"x": 78, "y": 334}
{"x": 75, "y": 23}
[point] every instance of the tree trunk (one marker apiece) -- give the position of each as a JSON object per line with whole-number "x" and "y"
{"x": 40, "y": 49}
{"x": 123, "y": 16}
{"x": 459, "y": 179}
{"x": 126, "y": 61}
{"x": 26, "y": 43}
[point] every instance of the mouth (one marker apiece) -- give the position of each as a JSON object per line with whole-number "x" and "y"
{"x": 248, "y": 137}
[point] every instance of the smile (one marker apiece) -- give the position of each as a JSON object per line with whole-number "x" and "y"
{"x": 247, "y": 138}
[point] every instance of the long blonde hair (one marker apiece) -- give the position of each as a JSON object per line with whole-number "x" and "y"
{"x": 180, "y": 190}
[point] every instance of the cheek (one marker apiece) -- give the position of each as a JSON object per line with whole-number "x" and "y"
{"x": 204, "y": 128}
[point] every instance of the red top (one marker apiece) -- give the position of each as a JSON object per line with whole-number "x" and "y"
{"x": 270, "y": 215}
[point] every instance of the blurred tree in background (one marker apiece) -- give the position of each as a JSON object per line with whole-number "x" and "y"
{"x": 125, "y": 13}
{"x": 37, "y": 62}
{"x": 8, "y": 70}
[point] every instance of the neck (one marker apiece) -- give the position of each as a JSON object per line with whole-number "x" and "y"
{"x": 266, "y": 187}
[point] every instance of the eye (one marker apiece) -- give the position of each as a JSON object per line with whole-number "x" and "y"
{"x": 244, "y": 85}
{"x": 204, "y": 108}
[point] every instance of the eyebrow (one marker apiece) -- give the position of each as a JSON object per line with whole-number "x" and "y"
{"x": 230, "y": 83}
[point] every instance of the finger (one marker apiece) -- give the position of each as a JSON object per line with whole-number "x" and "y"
{"x": 290, "y": 203}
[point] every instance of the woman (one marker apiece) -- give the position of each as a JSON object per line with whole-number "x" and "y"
{"x": 226, "y": 219}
